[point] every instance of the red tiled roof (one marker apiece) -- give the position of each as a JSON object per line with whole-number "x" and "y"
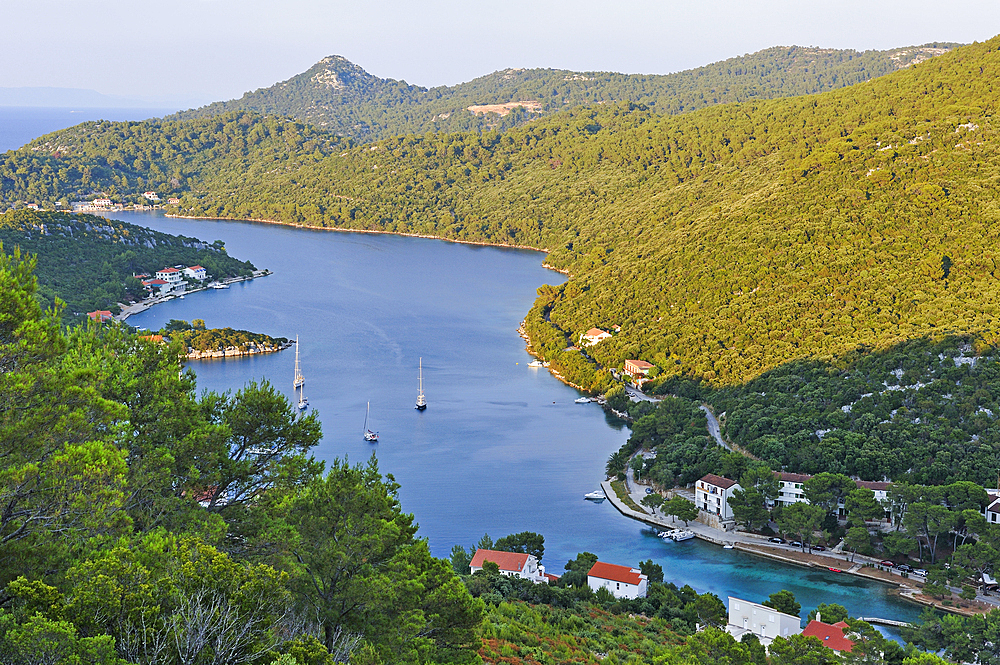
{"x": 718, "y": 481}
{"x": 101, "y": 314}
{"x": 551, "y": 578}
{"x": 640, "y": 364}
{"x": 513, "y": 561}
{"x": 830, "y": 636}
{"x": 615, "y": 573}
{"x": 874, "y": 486}
{"x": 596, "y": 332}
{"x": 195, "y": 268}
{"x": 169, "y": 270}
{"x": 793, "y": 477}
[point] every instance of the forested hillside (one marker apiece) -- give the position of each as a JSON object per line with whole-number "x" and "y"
{"x": 343, "y": 98}
{"x": 88, "y": 261}
{"x": 724, "y": 242}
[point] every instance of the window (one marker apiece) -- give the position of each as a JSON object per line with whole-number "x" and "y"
{"x": 771, "y": 618}
{"x": 736, "y": 606}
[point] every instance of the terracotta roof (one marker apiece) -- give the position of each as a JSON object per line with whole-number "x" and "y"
{"x": 830, "y": 636}
{"x": 874, "y": 486}
{"x": 793, "y": 477}
{"x": 718, "y": 481}
{"x": 595, "y": 332}
{"x": 169, "y": 270}
{"x": 513, "y": 561}
{"x": 552, "y": 578}
{"x": 615, "y": 573}
{"x": 641, "y": 364}
{"x": 195, "y": 268}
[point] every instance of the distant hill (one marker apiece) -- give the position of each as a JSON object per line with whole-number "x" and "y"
{"x": 343, "y": 98}
{"x": 723, "y": 242}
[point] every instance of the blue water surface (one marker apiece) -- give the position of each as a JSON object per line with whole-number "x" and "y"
{"x": 502, "y": 447}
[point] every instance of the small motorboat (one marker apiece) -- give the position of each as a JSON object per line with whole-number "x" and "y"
{"x": 536, "y": 363}
{"x": 582, "y": 400}
{"x": 677, "y": 535}
{"x": 835, "y": 570}
{"x": 597, "y": 495}
{"x": 727, "y": 546}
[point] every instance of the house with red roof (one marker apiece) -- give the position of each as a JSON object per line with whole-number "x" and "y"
{"x": 100, "y": 315}
{"x": 171, "y": 275}
{"x": 195, "y": 272}
{"x": 593, "y": 336}
{"x": 511, "y": 564}
{"x": 637, "y": 369}
{"x": 160, "y": 285}
{"x": 832, "y": 636}
{"x": 621, "y": 581}
{"x": 712, "y": 492}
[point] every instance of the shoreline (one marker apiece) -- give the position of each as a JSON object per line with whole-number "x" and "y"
{"x": 378, "y": 232}
{"x": 142, "y": 306}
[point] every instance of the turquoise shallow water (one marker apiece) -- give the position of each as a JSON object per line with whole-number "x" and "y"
{"x": 502, "y": 447}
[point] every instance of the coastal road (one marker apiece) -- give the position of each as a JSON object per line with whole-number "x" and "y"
{"x": 637, "y": 395}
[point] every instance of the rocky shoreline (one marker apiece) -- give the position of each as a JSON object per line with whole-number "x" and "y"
{"x": 249, "y": 349}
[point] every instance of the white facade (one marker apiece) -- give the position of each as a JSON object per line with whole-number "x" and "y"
{"x": 511, "y": 564}
{"x": 171, "y": 275}
{"x": 621, "y": 581}
{"x": 790, "y": 488}
{"x": 593, "y": 336}
{"x": 152, "y": 196}
{"x": 195, "y": 272}
{"x": 764, "y": 622}
{"x": 712, "y": 494}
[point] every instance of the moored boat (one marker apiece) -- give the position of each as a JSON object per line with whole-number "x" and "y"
{"x": 597, "y": 495}
{"x": 421, "y": 400}
{"x": 582, "y": 400}
{"x": 299, "y": 381}
{"x": 369, "y": 435}
{"x": 536, "y": 363}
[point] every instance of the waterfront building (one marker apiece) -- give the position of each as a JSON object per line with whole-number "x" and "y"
{"x": 621, "y": 581}
{"x": 195, "y": 272}
{"x": 712, "y": 492}
{"x": 831, "y": 635}
{"x": 152, "y": 196}
{"x": 765, "y": 622}
{"x": 170, "y": 275}
{"x": 160, "y": 285}
{"x": 593, "y": 336}
{"x": 511, "y": 564}
{"x": 790, "y": 488}
{"x": 100, "y": 315}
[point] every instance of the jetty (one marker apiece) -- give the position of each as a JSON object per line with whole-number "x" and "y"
{"x": 884, "y": 622}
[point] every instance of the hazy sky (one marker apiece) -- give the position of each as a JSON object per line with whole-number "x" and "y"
{"x": 216, "y": 49}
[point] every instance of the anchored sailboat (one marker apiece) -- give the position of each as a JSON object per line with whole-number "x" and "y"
{"x": 421, "y": 400}
{"x": 300, "y": 381}
{"x": 369, "y": 435}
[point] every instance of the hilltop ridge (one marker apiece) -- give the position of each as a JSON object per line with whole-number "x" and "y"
{"x": 341, "y": 97}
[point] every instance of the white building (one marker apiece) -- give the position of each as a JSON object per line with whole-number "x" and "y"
{"x": 593, "y": 336}
{"x": 512, "y": 564}
{"x": 790, "y": 488}
{"x": 764, "y": 622}
{"x": 621, "y": 581}
{"x": 101, "y": 203}
{"x": 712, "y": 492}
{"x": 152, "y": 196}
{"x": 170, "y": 275}
{"x": 195, "y": 272}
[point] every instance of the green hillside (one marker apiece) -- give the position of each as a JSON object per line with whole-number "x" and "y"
{"x": 724, "y": 242}
{"x": 88, "y": 261}
{"x": 343, "y": 98}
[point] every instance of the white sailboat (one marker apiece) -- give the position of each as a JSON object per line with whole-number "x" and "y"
{"x": 299, "y": 382}
{"x": 369, "y": 435}
{"x": 421, "y": 400}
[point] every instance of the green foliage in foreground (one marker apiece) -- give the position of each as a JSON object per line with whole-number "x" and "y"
{"x": 88, "y": 261}
{"x": 144, "y": 524}
{"x": 342, "y": 98}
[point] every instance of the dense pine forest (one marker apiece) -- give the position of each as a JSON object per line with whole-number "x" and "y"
{"x": 724, "y": 242}
{"x": 88, "y": 262}
{"x": 343, "y": 98}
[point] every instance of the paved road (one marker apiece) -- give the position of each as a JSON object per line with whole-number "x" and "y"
{"x": 713, "y": 427}
{"x": 637, "y": 395}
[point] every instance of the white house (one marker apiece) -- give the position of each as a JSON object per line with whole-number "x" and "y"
{"x": 712, "y": 492}
{"x": 160, "y": 285}
{"x": 764, "y": 622}
{"x": 512, "y": 564}
{"x": 992, "y": 510}
{"x": 152, "y": 196}
{"x": 790, "y": 488}
{"x": 621, "y": 581}
{"x": 195, "y": 272}
{"x": 101, "y": 203}
{"x": 593, "y": 336}
{"x": 170, "y": 275}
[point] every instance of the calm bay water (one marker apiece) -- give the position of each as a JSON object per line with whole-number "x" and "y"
{"x": 502, "y": 447}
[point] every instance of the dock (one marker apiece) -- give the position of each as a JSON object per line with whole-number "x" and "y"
{"x": 884, "y": 622}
